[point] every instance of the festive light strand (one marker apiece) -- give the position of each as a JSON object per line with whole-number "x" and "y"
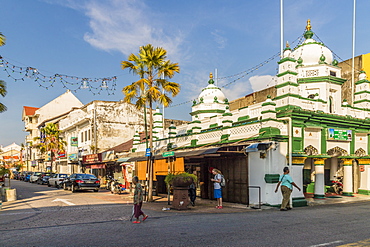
{"x": 72, "y": 83}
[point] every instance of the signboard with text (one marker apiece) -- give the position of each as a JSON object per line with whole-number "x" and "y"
{"x": 92, "y": 158}
{"x": 74, "y": 141}
{"x": 339, "y": 135}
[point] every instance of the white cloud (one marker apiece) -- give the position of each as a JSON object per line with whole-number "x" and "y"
{"x": 124, "y": 26}
{"x": 261, "y": 82}
{"x": 220, "y": 40}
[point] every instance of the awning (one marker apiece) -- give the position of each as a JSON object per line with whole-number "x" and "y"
{"x": 120, "y": 160}
{"x": 255, "y": 147}
{"x": 178, "y": 154}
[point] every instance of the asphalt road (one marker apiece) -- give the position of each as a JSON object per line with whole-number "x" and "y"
{"x": 50, "y": 217}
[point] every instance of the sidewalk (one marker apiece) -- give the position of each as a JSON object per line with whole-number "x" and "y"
{"x": 209, "y": 206}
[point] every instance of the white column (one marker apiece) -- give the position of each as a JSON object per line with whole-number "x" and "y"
{"x": 319, "y": 164}
{"x": 347, "y": 177}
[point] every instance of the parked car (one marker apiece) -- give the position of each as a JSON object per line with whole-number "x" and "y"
{"x": 81, "y": 181}
{"x": 34, "y": 176}
{"x": 16, "y": 175}
{"x": 27, "y": 176}
{"x": 44, "y": 178}
{"x": 56, "y": 179}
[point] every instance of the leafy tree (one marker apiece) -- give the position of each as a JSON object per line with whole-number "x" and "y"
{"x": 153, "y": 86}
{"x": 2, "y": 83}
{"x": 50, "y": 142}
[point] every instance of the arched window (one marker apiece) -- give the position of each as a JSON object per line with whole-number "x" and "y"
{"x": 331, "y": 107}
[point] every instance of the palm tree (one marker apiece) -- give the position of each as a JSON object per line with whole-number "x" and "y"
{"x": 2, "y": 83}
{"x": 2, "y": 39}
{"x": 2, "y": 93}
{"x": 154, "y": 71}
{"x": 50, "y": 141}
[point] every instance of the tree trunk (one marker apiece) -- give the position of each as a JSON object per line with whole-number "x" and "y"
{"x": 150, "y": 192}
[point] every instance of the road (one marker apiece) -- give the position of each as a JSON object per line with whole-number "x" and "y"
{"x": 50, "y": 217}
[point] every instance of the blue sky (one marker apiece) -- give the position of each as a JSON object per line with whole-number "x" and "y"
{"x": 89, "y": 38}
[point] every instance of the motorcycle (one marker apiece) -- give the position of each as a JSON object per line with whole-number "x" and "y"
{"x": 337, "y": 185}
{"x": 110, "y": 180}
{"x": 116, "y": 187}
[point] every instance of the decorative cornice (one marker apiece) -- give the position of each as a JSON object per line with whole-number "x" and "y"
{"x": 288, "y": 72}
{"x": 329, "y": 79}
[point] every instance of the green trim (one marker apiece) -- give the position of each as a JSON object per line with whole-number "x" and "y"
{"x": 133, "y": 150}
{"x": 360, "y": 92}
{"x": 211, "y": 88}
{"x": 227, "y": 121}
{"x": 206, "y": 111}
{"x": 328, "y": 79}
{"x": 224, "y": 138}
{"x": 323, "y": 140}
{"x": 352, "y": 142}
{"x": 268, "y": 111}
{"x": 172, "y": 127}
{"x": 288, "y": 83}
{"x": 348, "y": 194}
{"x": 299, "y": 202}
{"x": 157, "y": 113}
{"x": 319, "y": 196}
{"x": 157, "y": 127}
{"x": 193, "y": 142}
{"x": 288, "y": 72}
{"x": 361, "y": 101}
{"x": 213, "y": 125}
{"x": 269, "y": 103}
{"x": 362, "y": 81}
{"x": 157, "y": 122}
{"x": 244, "y": 107}
{"x": 272, "y": 178}
{"x": 368, "y": 144}
{"x": 269, "y": 132}
{"x": 196, "y": 128}
{"x": 227, "y": 114}
{"x": 364, "y": 192}
{"x": 172, "y": 133}
{"x": 286, "y": 59}
{"x": 243, "y": 118}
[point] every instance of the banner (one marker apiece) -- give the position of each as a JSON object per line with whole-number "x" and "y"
{"x": 74, "y": 141}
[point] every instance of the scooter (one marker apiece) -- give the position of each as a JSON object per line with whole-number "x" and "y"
{"x": 110, "y": 181}
{"x": 337, "y": 185}
{"x": 116, "y": 187}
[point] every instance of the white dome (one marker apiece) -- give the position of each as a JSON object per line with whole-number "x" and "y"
{"x": 362, "y": 76}
{"x": 210, "y": 92}
{"x": 311, "y": 53}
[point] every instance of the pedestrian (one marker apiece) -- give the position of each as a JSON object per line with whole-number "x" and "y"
{"x": 138, "y": 200}
{"x": 217, "y": 187}
{"x": 192, "y": 193}
{"x": 287, "y": 184}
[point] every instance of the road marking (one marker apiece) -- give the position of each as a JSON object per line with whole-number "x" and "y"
{"x": 325, "y": 244}
{"x": 365, "y": 242}
{"x": 64, "y": 200}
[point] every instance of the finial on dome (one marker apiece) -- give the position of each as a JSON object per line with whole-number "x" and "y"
{"x": 211, "y": 81}
{"x": 287, "y": 45}
{"x": 308, "y": 27}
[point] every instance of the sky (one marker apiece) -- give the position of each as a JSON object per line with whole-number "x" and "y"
{"x": 90, "y": 38}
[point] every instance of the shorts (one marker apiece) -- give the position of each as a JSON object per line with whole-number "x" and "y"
{"x": 217, "y": 193}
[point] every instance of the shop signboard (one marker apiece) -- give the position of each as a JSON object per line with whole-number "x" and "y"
{"x": 74, "y": 141}
{"x": 73, "y": 157}
{"x": 92, "y": 158}
{"x": 339, "y": 135}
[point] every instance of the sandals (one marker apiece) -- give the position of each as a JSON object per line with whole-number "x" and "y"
{"x": 219, "y": 207}
{"x": 136, "y": 222}
{"x": 146, "y": 217}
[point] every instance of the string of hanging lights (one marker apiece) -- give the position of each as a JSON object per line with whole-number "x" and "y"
{"x": 73, "y": 83}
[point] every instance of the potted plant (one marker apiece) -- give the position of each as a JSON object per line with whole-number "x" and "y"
{"x": 183, "y": 179}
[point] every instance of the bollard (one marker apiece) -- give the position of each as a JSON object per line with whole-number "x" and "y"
{"x": 10, "y": 195}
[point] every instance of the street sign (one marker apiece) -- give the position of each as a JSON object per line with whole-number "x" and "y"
{"x": 168, "y": 154}
{"x": 148, "y": 152}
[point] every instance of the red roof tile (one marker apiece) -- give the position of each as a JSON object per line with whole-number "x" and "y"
{"x": 29, "y": 111}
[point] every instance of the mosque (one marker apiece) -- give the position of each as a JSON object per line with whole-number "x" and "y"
{"x": 304, "y": 123}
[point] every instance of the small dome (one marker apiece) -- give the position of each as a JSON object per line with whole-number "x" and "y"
{"x": 211, "y": 93}
{"x": 311, "y": 51}
{"x": 362, "y": 75}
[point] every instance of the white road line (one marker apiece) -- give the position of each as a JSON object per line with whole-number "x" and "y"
{"x": 64, "y": 201}
{"x": 325, "y": 244}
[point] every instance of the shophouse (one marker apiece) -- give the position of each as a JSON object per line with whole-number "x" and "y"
{"x": 35, "y": 118}
{"x": 11, "y": 155}
{"x": 302, "y": 122}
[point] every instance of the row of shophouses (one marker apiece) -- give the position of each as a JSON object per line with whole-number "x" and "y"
{"x": 310, "y": 120}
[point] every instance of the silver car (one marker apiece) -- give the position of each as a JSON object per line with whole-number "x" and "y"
{"x": 34, "y": 176}
{"x": 56, "y": 179}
